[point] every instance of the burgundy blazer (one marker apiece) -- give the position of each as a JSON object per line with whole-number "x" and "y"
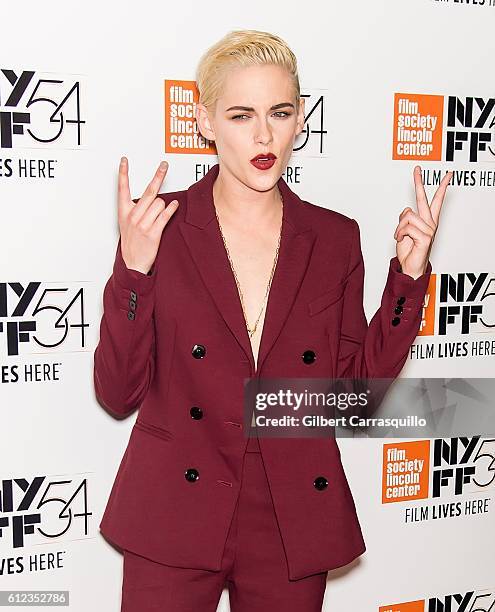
{"x": 190, "y": 397}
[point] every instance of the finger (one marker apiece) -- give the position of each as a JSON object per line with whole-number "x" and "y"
{"x": 437, "y": 201}
{"x": 416, "y": 220}
{"x": 156, "y": 208}
{"x": 151, "y": 191}
{"x": 164, "y": 217}
{"x": 419, "y": 238}
{"x": 421, "y": 199}
{"x": 123, "y": 191}
{"x": 149, "y": 194}
{"x": 405, "y": 211}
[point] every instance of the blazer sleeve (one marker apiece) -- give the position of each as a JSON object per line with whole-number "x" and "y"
{"x": 380, "y": 349}
{"x": 124, "y": 359}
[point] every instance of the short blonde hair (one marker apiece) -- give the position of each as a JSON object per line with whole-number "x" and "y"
{"x": 242, "y": 48}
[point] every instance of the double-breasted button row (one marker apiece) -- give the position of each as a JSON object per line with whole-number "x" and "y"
{"x": 131, "y": 313}
{"x": 198, "y": 351}
{"x": 192, "y": 474}
{"x": 398, "y": 310}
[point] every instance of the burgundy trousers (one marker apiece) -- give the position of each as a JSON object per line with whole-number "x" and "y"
{"x": 254, "y": 567}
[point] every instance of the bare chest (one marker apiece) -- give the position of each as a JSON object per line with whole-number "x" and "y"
{"x": 253, "y": 257}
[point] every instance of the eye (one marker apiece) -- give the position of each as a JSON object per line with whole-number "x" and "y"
{"x": 280, "y": 114}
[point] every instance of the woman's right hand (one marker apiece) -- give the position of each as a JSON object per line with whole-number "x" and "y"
{"x": 141, "y": 224}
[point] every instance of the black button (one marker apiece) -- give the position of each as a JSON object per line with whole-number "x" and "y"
{"x": 133, "y": 296}
{"x": 401, "y": 300}
{"x": 131, "y": 315}
{"x": 395, "y": 321}
{"x": 191, "y": 475}
{"x": 398, "y": 310}
{"x": 196, "y": 412}
{"x": 132, "y": 304}
{"x": 320, "y": 483}
{"x": 198, "y": 351}
{"x": 308, "y": 356}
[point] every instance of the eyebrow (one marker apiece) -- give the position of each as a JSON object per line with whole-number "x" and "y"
{"x": 251, "y": 109}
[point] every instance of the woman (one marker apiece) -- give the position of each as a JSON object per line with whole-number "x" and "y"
{"x": 237, "y": 277}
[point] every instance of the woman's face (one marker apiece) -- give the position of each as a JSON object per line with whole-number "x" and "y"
{"x": 255, "y": 114}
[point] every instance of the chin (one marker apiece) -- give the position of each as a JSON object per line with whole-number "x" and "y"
{"x": 262, "y": 180}
{"x": 264, "y": 184}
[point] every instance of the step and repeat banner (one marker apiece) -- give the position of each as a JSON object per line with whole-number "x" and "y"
{"x": 387, "y": 85}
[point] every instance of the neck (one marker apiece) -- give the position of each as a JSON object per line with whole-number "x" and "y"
{"x": 243, "y": 206}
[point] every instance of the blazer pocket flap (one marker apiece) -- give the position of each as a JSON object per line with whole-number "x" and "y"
{"x": 153, "y": 429}
{"x": 326, "y": 299}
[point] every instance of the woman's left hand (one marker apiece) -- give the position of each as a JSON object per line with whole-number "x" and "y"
{"x": 416, "y": 230}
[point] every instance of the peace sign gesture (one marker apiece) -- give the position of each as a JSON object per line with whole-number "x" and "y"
{"x": 416, "y": 230}
{"x": 142, "y": 223}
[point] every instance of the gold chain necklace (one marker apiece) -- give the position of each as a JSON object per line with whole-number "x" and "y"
{"x": 253, "y": 330}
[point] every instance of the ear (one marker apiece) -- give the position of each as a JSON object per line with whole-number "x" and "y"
{"x": 204, "y": 124}
{"x": 300, "y": 117}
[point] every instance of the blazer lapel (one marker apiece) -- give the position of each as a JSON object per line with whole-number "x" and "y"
{"x": 203, "y": 238}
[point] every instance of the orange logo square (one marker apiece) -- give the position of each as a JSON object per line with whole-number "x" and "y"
{"x": 418, "y": 125}
{"x": 181, "y": 129}
{"x": 405, "y": 471}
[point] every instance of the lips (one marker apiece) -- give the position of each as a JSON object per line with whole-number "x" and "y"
{"x": 264, "y": 161}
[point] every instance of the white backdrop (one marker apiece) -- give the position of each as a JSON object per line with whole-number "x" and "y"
{"x": 58, "y": 197}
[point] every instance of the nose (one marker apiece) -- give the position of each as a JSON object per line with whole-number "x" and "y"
{"x": 263, "y": 134}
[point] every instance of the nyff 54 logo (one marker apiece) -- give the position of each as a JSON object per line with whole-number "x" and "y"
{"x": 39, "y": 108}
{"x": 42, "y": 509}
{"x": 434, "y": 468}
{"x": 41, "y": 316}
{"x": 462, "y": 303}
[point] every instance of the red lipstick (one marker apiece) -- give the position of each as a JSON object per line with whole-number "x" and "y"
{"x": 264, "y": 161}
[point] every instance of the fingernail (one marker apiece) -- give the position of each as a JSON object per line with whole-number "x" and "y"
{"x": 123, "y": 160}
{"x": 163, "y": 165}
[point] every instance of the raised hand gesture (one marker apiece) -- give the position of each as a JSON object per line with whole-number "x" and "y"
{"x": 416, "y": 230}
{"x": 142, "y": 223}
